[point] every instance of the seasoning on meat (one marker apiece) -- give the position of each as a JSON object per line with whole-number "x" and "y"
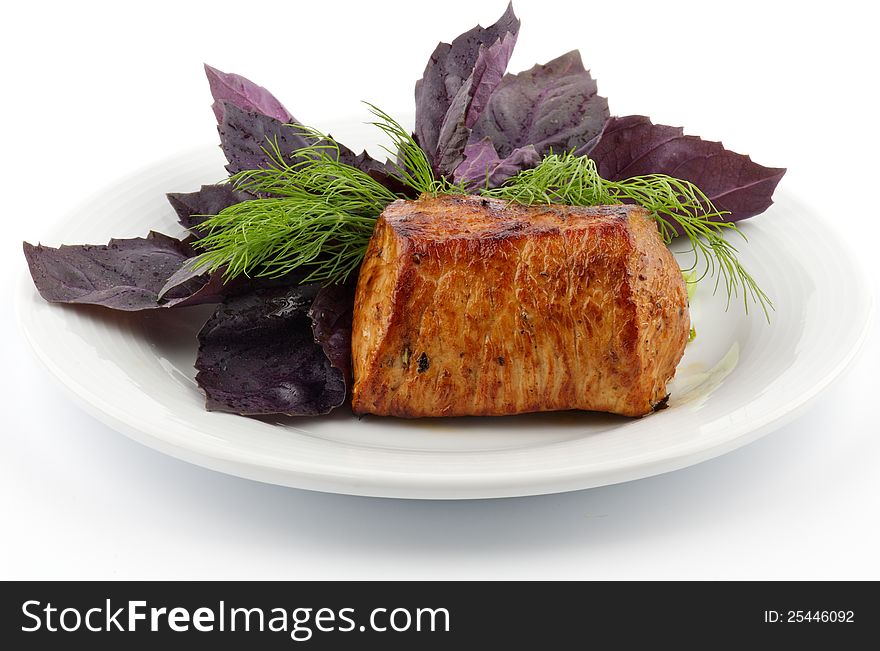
{"x": 515, "y": 309}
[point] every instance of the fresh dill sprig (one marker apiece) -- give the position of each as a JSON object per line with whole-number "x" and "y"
{"x": 567, "y": 179}
{"x": 277, "y": 236}
{"x": 411, "y": 164}
{"x": 574, "y": 180}
{"x": 314, "y": 170}
{"x": 316, "y": 214}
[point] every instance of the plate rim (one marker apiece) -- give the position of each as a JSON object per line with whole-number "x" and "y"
{"x": 440, "y": 486}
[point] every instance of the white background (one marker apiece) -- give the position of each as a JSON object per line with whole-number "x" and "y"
{"x": 92, "y": 91}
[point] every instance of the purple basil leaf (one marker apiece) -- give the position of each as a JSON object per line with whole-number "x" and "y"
{"x": 246, "y": 136}
{"x": 469, "y": 103}
{"x": 362, "y": 161}
{"x": 216, "y": 288}
{"x": 382, "y": 173}
{"x": 212, "y": 289}
{"x": 122, "y": 275}
{"x": 552, "y": 106}
{"x": 257, "y": 355}
{"x": 193, "y": 207}
{"x": 250, "y": 121}
{"x": 488, "y": 73}
{"x": 483, "y": 168}
{"x": 449, "y": 67}
{"x": 331, "y": 315}
{"x": 634, "y": 146}
{"x": 244, "y": 94}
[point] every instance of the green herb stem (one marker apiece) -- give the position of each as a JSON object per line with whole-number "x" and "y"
{"x": 277, "y": 236}
{"x": 411, "y": 165}
{"x": 316, "y": 214}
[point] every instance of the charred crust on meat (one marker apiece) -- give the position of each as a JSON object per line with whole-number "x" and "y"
{"x": 427, "y": 250}
{"x": 662, "y": 404}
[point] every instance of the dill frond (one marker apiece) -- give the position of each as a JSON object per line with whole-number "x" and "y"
{"x": 316, "y": 215}
{"x": 411, "y": 164}
{"x": 568, "y": 179}
{"x": 276, "y": 236}
{"x": 314, "y": 170}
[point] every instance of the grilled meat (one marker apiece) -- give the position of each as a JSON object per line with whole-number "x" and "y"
{"x": 474, "y": 306}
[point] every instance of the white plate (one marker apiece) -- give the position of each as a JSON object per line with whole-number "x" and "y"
{"x": 740, "y": 379}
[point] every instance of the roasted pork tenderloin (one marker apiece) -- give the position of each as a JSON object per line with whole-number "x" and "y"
{"x": 475, "y": 306}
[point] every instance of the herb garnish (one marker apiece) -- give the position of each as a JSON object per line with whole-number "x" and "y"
{"x": 316, "y": 214}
